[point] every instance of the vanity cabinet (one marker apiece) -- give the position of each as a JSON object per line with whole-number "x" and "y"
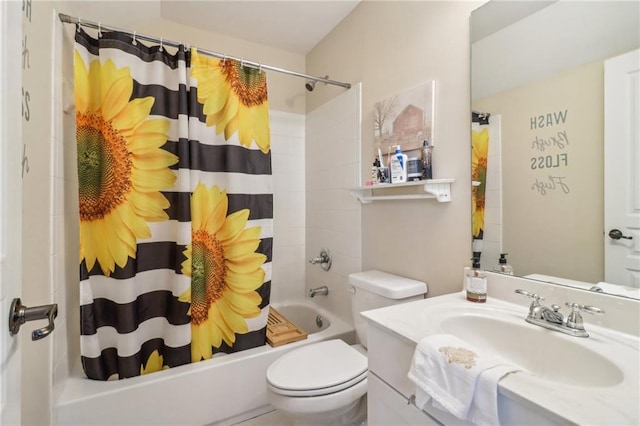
{"x": 389, "y": 392}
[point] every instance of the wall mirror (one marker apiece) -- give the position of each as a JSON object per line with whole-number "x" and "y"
{"x": 538, "y": 96}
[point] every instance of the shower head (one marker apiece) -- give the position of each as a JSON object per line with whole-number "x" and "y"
{"x": 311, "y": 84}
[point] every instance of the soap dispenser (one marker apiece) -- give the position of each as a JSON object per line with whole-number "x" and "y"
{"x": 503, "y": 267}
{"x": 476, "y": 283}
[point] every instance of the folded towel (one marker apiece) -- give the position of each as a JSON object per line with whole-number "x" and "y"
{"x": 458, "y": 377}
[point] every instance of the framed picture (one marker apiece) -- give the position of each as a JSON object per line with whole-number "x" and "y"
{"x": 405, "y": 119}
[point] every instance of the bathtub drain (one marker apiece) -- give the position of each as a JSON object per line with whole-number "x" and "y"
{"x": 319, "y": 321}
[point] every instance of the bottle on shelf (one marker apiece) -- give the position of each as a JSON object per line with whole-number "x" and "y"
{"x": 427, "y": 150}
{"x": 399, "y": 166}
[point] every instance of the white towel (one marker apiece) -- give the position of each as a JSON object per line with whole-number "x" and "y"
{"x": 458, "y": 377}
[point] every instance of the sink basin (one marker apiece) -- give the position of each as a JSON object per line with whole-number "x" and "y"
{"x": 543, "y": 353}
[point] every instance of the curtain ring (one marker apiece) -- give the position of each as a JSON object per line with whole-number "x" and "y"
{"x": 99, "y": 30}
{"x": 135, "y": 42}
{"x": 241, "y": 62}
{"x": 78, "y": 25}
{"x": 224, "y": 60}
{"x": 259, "y": 67}
{"x": 161, "y": 44}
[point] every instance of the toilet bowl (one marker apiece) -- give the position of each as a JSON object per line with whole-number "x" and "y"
{"x": 320, "y": 384}
{"x": 325, "y": 383}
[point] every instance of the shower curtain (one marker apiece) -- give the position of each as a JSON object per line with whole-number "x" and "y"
{"x": 175, "y": 204}
{"x": 479, "y": 161}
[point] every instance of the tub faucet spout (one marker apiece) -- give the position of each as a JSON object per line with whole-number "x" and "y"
{"x": 322, "y": 291}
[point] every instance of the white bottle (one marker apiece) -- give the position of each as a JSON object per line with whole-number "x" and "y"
{"x": 398, "y": 166}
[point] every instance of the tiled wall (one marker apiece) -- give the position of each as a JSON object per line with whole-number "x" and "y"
{"x": 288, "y": 168}
{"x": 333, "y": 215}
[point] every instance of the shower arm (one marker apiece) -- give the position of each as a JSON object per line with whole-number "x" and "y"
{"x": 66, "y": 19}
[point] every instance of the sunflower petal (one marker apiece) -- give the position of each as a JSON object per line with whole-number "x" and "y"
{"x": 234, "y": 321}
{"x": 81, "y": 83}
{"x": 233, "y": 225}
{"x": 150, "y": 205}
{"x": 245, "y": 132}
{"x": 116, "y": 97}
{"x": 261, "y": 132}
{"x": 94, "y": 96}
{"x": 215, "y": 217}
{"x": 157, "y": 180}
{"x": 133, "y": 113}
{"x": 245, "y": 304}
{"x": 247, "y": 264}
{"x": 245, "y": 282}
{"x": 215, "y": 103}
{"x": 156, "y": 160}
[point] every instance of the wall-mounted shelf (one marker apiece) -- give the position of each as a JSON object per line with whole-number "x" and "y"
{"x": 440, "y": 189}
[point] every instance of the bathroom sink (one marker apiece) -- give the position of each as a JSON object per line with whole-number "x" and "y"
{"x": 545, "y": 354}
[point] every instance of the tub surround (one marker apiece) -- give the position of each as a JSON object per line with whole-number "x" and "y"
{"x": 395, "y": 331}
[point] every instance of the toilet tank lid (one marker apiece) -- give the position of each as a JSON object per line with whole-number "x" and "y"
{"x": 387, "y": 285}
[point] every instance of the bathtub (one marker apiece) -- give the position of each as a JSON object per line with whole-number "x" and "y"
{"x": 223, "y": 390}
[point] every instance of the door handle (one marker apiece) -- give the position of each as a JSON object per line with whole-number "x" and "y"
{"x": 19, "y": 314}
{"x": 616, "y": 234}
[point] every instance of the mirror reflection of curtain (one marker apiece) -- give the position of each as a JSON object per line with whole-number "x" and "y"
{"x": 486, "y": 179}
{"x": 176, "y": 205}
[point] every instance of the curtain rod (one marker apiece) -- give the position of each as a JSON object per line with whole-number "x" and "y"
{"x": 66, "y": 19}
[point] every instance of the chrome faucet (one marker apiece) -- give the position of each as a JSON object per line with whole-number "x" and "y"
{"x": 552, "y": 319}
{"x": 324, "y": 259}
{"x": 319, "y": 291}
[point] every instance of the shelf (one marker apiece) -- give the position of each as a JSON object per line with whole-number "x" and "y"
{"x": 440, "y": 189}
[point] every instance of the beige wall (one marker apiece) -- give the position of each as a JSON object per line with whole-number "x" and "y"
{"x": 535, "y": 216}
{"x": 391, "y": 47}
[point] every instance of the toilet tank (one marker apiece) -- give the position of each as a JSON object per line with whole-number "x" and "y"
{"x": 376, "y": 289}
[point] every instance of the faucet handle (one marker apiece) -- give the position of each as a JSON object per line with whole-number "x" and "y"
{"x": 536, "y": 297}
{"x": 586, "y": 308}
{"x": 574, "y": 319}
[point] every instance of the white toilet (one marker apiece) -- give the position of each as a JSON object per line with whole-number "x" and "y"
{"x": 325, "y": 383}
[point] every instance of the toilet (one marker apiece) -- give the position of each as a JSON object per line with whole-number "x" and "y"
{"x": 325, "y": 383}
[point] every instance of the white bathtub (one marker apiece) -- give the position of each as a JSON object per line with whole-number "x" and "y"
{"x": 223, "y": 390}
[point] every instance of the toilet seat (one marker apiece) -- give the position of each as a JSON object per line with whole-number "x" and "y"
{"x": 318, "y": 369}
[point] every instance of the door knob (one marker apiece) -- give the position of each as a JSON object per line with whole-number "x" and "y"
{"x": 19, "y": 314}
{"x": 616, "y": 234}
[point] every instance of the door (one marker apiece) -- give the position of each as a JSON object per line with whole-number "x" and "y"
{"x": 622, "y": 174}
{"x": 10, "y": 205}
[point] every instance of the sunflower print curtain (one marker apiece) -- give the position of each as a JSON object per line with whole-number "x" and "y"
{"x": 479, "y": 162}
{"x": 175, "y": 204}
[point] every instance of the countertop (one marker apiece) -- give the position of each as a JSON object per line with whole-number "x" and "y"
{"x": 616, "y": 404}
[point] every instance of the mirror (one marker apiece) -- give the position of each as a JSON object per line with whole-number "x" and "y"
{"x": 537, "y": 72}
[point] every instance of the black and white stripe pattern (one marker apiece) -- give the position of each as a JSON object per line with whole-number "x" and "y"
{"x": 136, "y": 311}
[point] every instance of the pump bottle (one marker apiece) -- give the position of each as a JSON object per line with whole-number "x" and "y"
{"x": 476, "y": 283}
{"x": 503, "y": 267}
